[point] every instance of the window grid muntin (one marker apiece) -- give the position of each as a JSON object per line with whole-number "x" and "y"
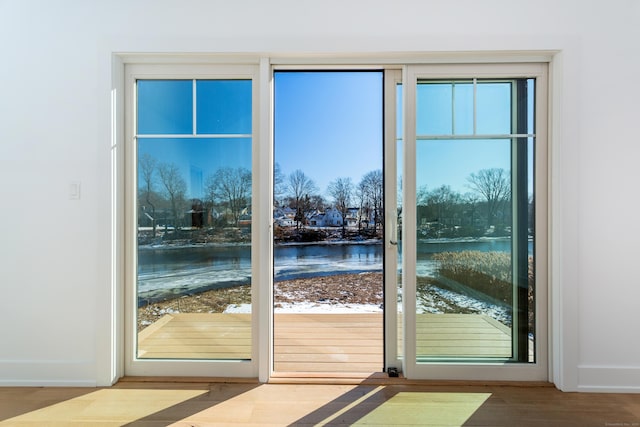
{"x": 194, "y": 133}
{"x": 475, "y": 135}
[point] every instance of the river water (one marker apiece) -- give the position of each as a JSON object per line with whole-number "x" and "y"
{"x": 165, "y": 271}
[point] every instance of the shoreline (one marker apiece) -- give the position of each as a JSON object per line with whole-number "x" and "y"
{"x": 328, "y": 291}
{"x": 351, "y": 292}
{"x": 170, "y": 246}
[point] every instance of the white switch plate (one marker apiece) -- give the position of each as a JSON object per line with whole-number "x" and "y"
{"x": 74, "y": 190}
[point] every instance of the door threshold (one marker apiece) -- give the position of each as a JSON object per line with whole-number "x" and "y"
{"x": 187, "y": 380}
{"x": 332, "y": 378}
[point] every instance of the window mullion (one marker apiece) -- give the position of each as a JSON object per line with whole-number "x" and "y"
{"x": 475, "y": 109}
{"x": 195, "y": 109}
{"x": 453, "y": 108}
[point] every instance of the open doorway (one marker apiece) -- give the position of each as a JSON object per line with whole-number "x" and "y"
{"x": 328, "y": 222}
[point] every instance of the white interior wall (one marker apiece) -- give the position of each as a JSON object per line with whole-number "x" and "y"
{"x": 55, "y": 129}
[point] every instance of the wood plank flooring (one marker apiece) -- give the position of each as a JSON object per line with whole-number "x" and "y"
{"x": 154, "y": 404}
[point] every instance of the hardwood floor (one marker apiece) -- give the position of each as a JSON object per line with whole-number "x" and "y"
{"x": 250, "y": 404}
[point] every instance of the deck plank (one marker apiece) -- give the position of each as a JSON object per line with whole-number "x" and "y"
{"x": 320, "y": 342}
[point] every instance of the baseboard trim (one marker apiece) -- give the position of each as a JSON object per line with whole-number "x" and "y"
{"x": 47, "y": 373}
{"x": 608, "y": 379}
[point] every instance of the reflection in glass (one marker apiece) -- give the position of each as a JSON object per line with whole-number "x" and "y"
{"x": 193, "y": 289}
{"x": 474, "y": 209}
{"x": 492, "y": 98}
{"x": 165, "y": 107}
{"x": 224, "y": 106}
{"x": 463, "y": 112}
{"x": 434, "y": 103}
{"x": 463, "y": 108}
{"x": 464, "y": 252}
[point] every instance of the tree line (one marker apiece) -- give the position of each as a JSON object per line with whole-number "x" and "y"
{"x": 227, "y": 195}
{"x": 300, "y": 193}
{"x": 485, "y": 209}
{"x": 442, "y": 211}
{"x": 163, "y": 199}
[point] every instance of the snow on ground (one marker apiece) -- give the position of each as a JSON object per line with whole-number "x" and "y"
{"x": 310, "y": 307}
{"x": 439, "y": 301}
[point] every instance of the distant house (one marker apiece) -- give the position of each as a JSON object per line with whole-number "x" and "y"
{"x": 284, "y": 221}
{"x": 352, "y": 217}
{"x": 333, "y": 218}
{"x": 317, "y": 220}
{"x": 284, "y": 217}
{"x": 284, "y": 212}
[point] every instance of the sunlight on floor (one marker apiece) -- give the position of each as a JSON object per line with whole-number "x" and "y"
{"x": 278, "y": 405}
{"x": 114, "y": 405}
{"x": 258, "y": 405}
{"x": 425, "y": 409}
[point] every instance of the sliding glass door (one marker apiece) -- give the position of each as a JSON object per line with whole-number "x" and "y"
{"x": 191, "y": 284}
{"x": 389, "y": 218}
{"x": 471, "y": 236}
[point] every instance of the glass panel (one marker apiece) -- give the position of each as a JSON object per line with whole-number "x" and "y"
{"x": 434, "y": 106}
{"x": 328, "y": 222}
{"x": 447, "y": 108}
{"x": 399, "y": 170}
{"x": 464, "y": 285}
{"x": 475, "y": 227}
{"x": 463, "y": 111}
{"x": 223, "y": 106}
{"x": 492, "y": 98}
{"x": 165, "y": 107}
{"x": 194, "y": 248}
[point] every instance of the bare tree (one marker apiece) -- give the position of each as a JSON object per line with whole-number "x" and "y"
{"x": 341, "y": 190}
{"x": 372, "y": 183}
{"x": 299, "y": 185}
{"x": 317, "y": 202}
{"x": 147, "y": 167}
{"x": 231, "y": 186}
{"x": 494, "y": 186}
{"x": 175, "y": 188}
{"x": 441, "y": 205}
{"x": 279, "y": 184}
{"x": 363, "y": 208}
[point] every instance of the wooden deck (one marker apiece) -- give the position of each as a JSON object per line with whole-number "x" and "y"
{"x": 320, "y": 342}
{"x": 328, "y": 342}
{"x": 197, "y": 336}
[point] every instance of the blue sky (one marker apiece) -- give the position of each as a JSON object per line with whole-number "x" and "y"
{"x": 442, "y": 110}
{"x": 328, "y": 124}
{"x": 223, "y": 107}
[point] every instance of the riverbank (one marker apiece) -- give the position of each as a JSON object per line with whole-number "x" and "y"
{"x": 321, "y": 294}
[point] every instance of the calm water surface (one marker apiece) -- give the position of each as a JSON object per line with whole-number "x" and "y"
{"x": 163, "y": 272}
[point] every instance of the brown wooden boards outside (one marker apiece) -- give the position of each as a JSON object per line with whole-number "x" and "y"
{"x": 312, "y": 342}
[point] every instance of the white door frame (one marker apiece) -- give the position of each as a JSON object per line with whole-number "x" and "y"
{"x": 262, "y": 357}
{"x": 133, "y": 365}
{"x": 537, "y": 371}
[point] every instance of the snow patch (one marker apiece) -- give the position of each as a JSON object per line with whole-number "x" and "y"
{"x": 305, "y": 307}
